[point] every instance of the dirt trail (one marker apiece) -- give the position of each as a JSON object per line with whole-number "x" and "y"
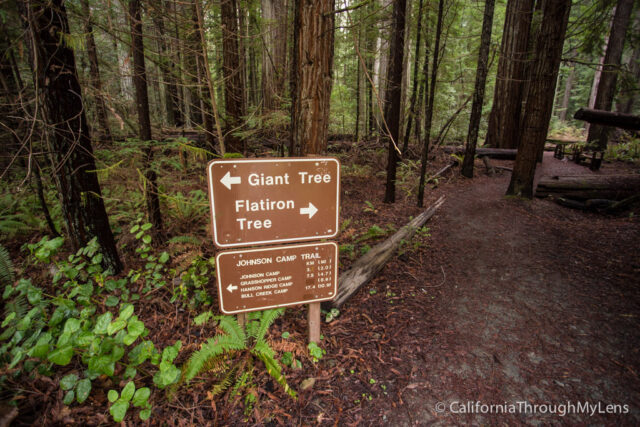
{"x": 540, "y": 304}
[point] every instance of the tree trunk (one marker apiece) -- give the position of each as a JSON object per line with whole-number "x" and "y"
{"x": 394, "y": 97}
{"x": 370, "y": 63}
{"x": 274, "y": 54}
{"x": 234, "y": 90}
{"x": 144, "y": 120}
{"x": 94, "y": 72}
{"x": 414, "y": 90}
{"x": 312, "y": 76}
{"x": 429, "y": 103}
{"x": 358, "y": 89}
{"x": 366, "y": 268}
{"x": 167, "y": 65}
{"x": 547, "y": 55}
{"x": 608, "y": 118}
{"x": 60, "y": 99}
{"x": 210, "y": 110}
{"x": 628, "y": 94}
{"x": 607, "y": 87}
{"x": 191, "y": 56}
{"x": 609, "y": 187}
{"x": 566, "y": 97}
{"x": 478, "y": 93}
{"x": 494, "y": 153}
{"x": 504, "y": 119}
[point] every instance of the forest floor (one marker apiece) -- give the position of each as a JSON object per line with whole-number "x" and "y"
{"x": 502, "y": 301}
{"x": 512, "y": 301}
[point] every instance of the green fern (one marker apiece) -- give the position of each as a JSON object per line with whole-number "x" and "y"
{"x": 213, "y": 348}
{"x": 236, "y": 348}
{"x": 6, "y": 268}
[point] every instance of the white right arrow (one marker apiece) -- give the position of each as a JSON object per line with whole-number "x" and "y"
{"x": 229, "y": 180}
{"x": 231, "y": 288}
{"x": 311, "y": 210}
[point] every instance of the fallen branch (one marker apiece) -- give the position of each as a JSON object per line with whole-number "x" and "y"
{"x": 584, "y": 187}
{"x": 494, "y": 153}
{"x": 367, "y": 266}
{"x": 441, "y": 171}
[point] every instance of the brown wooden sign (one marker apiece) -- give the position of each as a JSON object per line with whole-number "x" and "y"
{"x": 259, "y": 279}
{"x": 265, "y": 201}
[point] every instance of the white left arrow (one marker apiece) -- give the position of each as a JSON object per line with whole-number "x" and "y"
{"x": 231, "y": 288}
{"x": 311, "y": 210}
{"x": 229, "y": 180}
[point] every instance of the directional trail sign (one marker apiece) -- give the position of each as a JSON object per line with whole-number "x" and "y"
{"x": 259, "y": 279}
{"x": 265, "y": 201}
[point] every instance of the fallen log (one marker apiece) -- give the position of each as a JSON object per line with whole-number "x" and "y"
{"x": 608, "y": 118}
{"x": 367, "y": 266}
{"x": 494, "y": 153}
{"x": 579, "y": 187}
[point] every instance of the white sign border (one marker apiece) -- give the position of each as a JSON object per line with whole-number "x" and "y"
{"x": 271, "y": 248}
{"x": 273, "y": 160}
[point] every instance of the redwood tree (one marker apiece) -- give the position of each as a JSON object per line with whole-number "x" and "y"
{"x": 393, "y": 96}
{"x": 430, "y": 95}
{"x": 234, "y": 87}
{"x": 63, "y": 113}
{"x": 478, "y": 93}
{"x": 94, "y": 72}
{"x": 144, "y": 120}
{"x": 311, "y": 76}
{"x": 598, "y": 134}
{"x": 274, "y": 53}
{"x": 504, "y": 119}
{"x": 537, "y": 114}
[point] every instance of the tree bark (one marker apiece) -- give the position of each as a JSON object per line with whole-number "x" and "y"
{"x": 478, "y": 93}
{"x": 494, "y": 153}
{"x": 394, "y": 97}
{"x": 312, "y": 76}
{"x": 94, "y": 72}
{"x": 566, "y": 97}
{"x": 144, "y": 120}
{"x": 504, "y": 119}
{"x": 60, "y": 99}
{"x": 608, "y": 118}
{"x": 547, "y": 55}
{"x": 166, "y": 65}
{"x": 414, "y": 90}
{"x": 274, "y": 53}
{"x": 366, "y": 268}
{"x": 610, "y": 187}
{"x": 210, "y": 111}
{"x": 234, "y": 90}
{"x": 628, "y": 95}
{"x": 429, "y": 103}
{"x": 607, "y": 87}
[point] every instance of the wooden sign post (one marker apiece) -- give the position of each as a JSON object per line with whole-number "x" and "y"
{"x": 268, "y": 201}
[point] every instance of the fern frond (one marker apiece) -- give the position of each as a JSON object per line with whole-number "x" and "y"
{"x": 18, "y": 305}
{"x": 263, "y": 352}
{"x": 229, "y": 324}
{"x": 213, "y": 348}
{"x": 268, "y": 317}
{"x": 6, "y": 268}
{"x": 226, "y": 382}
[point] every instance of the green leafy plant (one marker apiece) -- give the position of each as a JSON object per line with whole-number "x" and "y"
{"x": 72, "y": 329}
{"x": 190, "y": 286}
{"x": 373, "y": 232}
{"x": 232, "y": 354}
{"x": 315, "y": 351}
{"x": 369, "y": 207}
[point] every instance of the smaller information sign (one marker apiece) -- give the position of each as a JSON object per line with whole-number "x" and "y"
{"x": 259, "y": 279}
